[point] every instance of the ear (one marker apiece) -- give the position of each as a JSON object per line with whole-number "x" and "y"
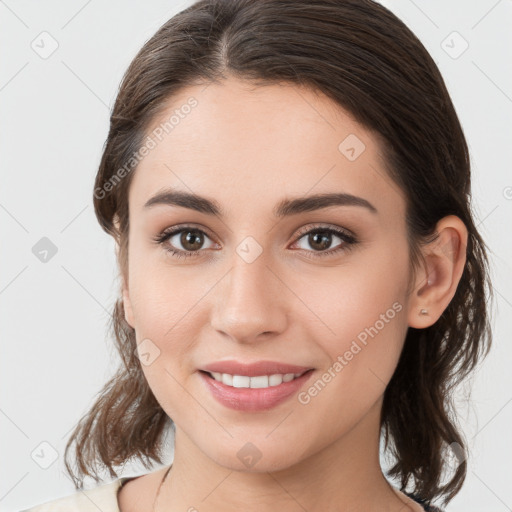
{"x": 127, "y": 305}
{"x": 436, "y": 282}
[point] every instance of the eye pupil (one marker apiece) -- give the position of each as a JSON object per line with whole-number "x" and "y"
{"x": 191, "y": 240}
{"x": 320, "y": 240}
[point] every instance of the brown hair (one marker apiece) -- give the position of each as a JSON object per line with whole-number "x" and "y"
{"x": 364, "y": 58}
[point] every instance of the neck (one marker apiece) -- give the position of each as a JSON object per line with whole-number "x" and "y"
{"x": 346, "y": 472}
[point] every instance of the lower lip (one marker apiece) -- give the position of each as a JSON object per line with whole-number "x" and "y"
{"x": 253, "y": 399}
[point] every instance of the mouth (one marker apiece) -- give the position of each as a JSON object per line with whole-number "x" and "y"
{"x": 254, "y": 382}
{"x": 253, "y": 393}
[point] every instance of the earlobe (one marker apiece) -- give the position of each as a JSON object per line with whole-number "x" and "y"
{"x": 437, "y": 281}
{"x": 127, "y": 306}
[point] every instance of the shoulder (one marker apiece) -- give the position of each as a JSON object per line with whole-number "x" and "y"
{"x": 111, "y": 497}
{"x": 103, "y": 497}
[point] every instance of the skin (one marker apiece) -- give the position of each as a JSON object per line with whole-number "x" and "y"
{"x": 248, "y": 148}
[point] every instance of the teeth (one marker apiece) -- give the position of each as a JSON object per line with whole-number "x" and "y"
{"x": 260, "y": 381}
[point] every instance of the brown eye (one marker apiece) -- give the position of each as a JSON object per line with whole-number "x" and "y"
{"x": 320, "y": 240}
{"x": 182, "y": 241}
{"x": 191, "y": 240}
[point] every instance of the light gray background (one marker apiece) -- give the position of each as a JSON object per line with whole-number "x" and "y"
{"x": 55, "y": 117}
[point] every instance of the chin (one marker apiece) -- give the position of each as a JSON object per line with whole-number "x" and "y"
{"x": 256, "y": 457}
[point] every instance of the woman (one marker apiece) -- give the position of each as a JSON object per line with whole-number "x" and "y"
{"x": 288, "y": 185}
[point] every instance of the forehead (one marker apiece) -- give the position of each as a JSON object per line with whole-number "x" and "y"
{"x": 249, "y": 147}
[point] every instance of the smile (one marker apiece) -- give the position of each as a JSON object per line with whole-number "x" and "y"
{"x": 259, "y": 381}
{"x": 253, "y": 394}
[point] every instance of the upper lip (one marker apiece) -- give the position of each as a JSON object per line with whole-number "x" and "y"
{"x": 254, "y": 369}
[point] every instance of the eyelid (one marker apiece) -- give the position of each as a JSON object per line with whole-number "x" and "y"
{"x": 190, "y": 225}
{"x": 302, "y": 231}
{"x": 348, "y": 238}
{"x": 318, "y": 226}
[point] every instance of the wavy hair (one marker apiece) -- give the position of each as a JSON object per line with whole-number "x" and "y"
{"x": 359, "y": 54}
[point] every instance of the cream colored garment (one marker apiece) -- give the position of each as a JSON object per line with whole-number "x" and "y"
{"x": 102, "y": 497}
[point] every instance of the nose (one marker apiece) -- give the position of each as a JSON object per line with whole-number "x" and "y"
{"x": 250, "y": 302}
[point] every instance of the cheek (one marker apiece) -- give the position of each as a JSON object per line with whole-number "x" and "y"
{"x": 363, "y": 323}
{"x": 169, "y": 310}
{"x": 166, "y": 322}
{"x": 162, "y": 296}
{"x": 166, "y": 312}
{"x": 348, "y": 299}
{"x": 369, "y": 326}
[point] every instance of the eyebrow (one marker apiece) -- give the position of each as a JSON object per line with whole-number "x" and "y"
{"x": 285, "y": 208}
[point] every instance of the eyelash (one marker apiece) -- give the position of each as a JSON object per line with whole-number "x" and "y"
{"x": 349, "y": 240}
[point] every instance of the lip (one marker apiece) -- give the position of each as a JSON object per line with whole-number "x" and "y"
{"x": 253, "y": 369}
{"x": 253, "y": 399}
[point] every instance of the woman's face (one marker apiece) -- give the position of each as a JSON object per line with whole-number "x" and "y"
{"x": 266, "y": 279}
